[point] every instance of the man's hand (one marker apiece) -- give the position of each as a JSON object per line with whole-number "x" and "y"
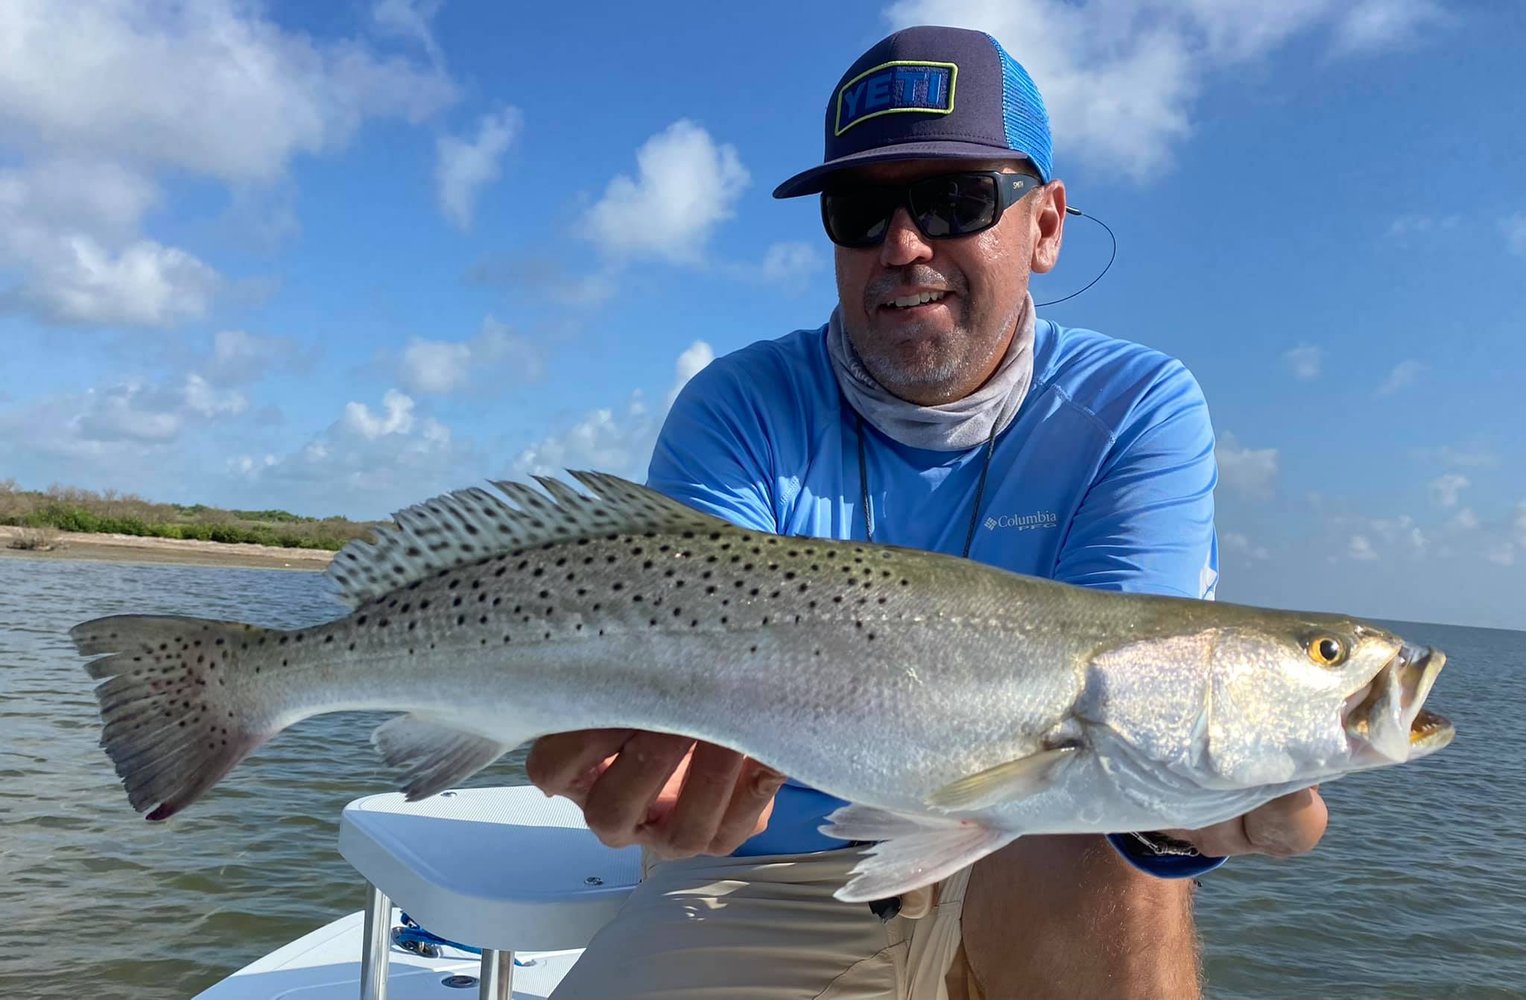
{"x": 1282, "y": 828}
{"x": 671, "y": 794}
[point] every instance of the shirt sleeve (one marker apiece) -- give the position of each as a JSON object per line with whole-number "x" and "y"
{"x": 1146, "y": 523}
{"x": 712, "y": 453}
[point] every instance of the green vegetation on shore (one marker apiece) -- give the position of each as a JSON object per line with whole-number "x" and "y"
{"x": 65, "y": 508}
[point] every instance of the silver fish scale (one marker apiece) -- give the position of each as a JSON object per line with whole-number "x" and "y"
{"x": 853, "y": 645}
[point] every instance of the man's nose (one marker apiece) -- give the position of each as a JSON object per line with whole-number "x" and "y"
{"x": 904, "y": 243}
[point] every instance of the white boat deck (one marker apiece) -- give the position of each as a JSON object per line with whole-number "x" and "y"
{"x": 505, "y": 870}
{"x": 326, "y": 964}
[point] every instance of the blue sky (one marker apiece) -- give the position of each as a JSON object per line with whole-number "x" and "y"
{"x": 339, "y": 257}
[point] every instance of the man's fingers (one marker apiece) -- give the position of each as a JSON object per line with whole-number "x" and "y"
{"x": 567, "y": 763}
{"x": 1290, "y": 825}
{"x": 1283, "y": 827}
{"x": 701, "y": 805}
{"x": 620, "y": 799}
{"x": 752, "y": 802}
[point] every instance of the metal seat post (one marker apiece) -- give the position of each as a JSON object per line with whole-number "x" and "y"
{"x": 497, "y": 978}
{"x": 376, "y": 945}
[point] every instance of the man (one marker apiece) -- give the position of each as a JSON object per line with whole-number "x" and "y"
{"x": 933, "y": 410}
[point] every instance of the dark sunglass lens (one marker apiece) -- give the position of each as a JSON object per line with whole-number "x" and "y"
{"x": 857, "y": 218}
{"x": 955, "y": 205}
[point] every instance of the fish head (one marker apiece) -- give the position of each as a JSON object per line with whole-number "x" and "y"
{"x": 1262, "y": 698}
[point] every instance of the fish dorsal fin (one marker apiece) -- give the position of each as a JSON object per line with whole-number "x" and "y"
{"x": 470, "y": 525}
{"x": 1012, "y": 780}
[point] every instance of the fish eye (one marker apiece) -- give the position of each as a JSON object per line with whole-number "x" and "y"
{"x": 1327, "y": 651}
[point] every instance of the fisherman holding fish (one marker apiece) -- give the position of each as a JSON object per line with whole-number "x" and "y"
{"x": 934, "y": 410}
{"x": 944, "y": 564}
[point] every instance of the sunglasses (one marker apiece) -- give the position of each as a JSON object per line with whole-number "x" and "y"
{"x": 942, "y": 207}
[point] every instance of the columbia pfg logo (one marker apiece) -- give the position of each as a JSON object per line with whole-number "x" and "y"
{"x": 1023, "y": 522}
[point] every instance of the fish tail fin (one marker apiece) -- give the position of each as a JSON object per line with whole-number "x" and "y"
{"x": 172, "y": 722}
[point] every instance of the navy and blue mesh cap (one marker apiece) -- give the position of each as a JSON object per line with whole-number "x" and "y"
{"x": 930, "y": 92}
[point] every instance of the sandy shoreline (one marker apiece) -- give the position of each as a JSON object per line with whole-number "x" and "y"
{"x": 185, "y": 552}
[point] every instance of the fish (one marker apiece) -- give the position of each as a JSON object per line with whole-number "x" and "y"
{"x": 952, "y": 705}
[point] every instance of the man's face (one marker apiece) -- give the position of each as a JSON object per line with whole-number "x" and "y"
{"x": 944, "y": 349}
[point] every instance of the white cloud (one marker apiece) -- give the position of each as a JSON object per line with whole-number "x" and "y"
{"x": 210, "y": 87}
{"x": 610, "y": 439}
{"x": 103, "y": 198}
{"x": 1374, "y": 25}
{"x": 129, "y": 411}
{"x": 1445, "y": 488}
{"x": 463, "y": 167}
{"x": 686, "y": 185}
{"x": 1401, "y": 530}
{"x": 1305, "y": 360}
{"x": 1361, "y": 548}
{"x": 791, "y": 264}
{"x": 411, "y": 20}
{"x": 1240, "y": 544}
{"x": 77, "y": 281}
{"x": 99, "y": 95}
{"x": 1120, "y": 78}
{"x": 1465, "y": 520}
{"x": 1514, "y": 229}
{"x": 142, "y": 412}
{"x": 202, "y": 398}
{"x": 1247, "y": 471}
{"x": 435, "y": 365}
{"x": 366, "y": 463}
{"x": 238, "y": 357}
{"x": 1518, "y": 523}
{"x": 690, "y": 363}
{"x": 397, "y": 418}
{"x": 1500, "y": 553}
{"x": 248, "y": 466}
{"x": 446, "y": 366}
{"x": 1404, "y": 375}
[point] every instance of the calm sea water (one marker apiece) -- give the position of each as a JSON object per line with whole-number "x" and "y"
{"x": 1418, "y": 890}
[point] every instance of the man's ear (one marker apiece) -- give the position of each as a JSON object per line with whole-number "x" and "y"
{"x": 1049, "y": 226}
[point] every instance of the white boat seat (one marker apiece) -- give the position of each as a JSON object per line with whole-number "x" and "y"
{"x": 505, "y": 869}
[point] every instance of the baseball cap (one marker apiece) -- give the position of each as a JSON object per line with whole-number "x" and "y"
{"x": 930, "y": 92}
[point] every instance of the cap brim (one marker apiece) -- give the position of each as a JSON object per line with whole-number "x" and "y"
{"x": 812, "y": 181}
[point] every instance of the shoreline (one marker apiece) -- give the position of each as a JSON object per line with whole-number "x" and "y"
{"x": 89, "y": 546}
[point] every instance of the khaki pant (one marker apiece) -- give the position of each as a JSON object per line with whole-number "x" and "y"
{"x": 765, "y": 928}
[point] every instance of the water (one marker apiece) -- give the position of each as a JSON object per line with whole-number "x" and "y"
{"x": 1418, "y": 890}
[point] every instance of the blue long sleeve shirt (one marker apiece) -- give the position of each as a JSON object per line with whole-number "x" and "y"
{"x": 1104, "y": 479}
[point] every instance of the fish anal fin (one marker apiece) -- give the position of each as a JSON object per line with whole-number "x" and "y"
{"x": 1006, "y": 782}
{"x": 910, "y": 851}
{"x": 432, "y": 754}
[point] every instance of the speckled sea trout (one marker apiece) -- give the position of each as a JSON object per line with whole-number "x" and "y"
{"x": 955, "y": 706}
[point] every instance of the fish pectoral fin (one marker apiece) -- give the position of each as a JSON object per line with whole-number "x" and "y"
{"x": 1007, "y": 782}
{"x": 433, "y": 755}
{"x": 910, "y": 851}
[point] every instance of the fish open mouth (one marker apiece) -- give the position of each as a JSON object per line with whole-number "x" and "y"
{"x": 1387, "y": 713}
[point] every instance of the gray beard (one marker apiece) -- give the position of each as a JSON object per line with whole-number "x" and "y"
{"x": 953, "y": 426}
